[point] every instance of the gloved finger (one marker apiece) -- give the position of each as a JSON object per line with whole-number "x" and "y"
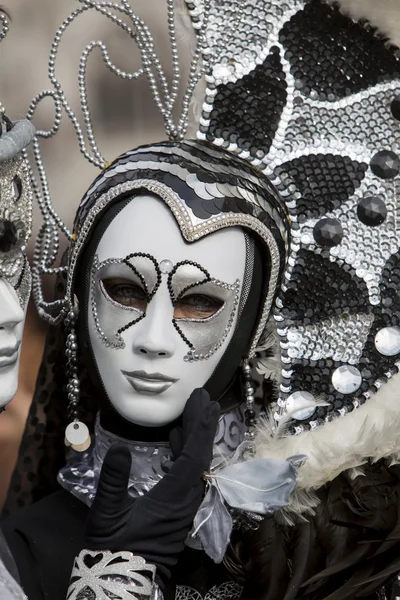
{"x": 176, "y": 441}
{"x": 187, "y": 471}
{"x": 112, "y": 489}
{"x": 194, "y": 410}
{"x": 202, "y": 437}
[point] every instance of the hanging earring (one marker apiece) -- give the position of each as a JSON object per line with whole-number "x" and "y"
{"x": 249, "y": 413}
{"x": 77, "y": 434}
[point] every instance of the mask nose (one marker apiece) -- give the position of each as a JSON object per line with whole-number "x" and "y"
{"x": 155, "y": 336}
{"x": 11, "y": 313}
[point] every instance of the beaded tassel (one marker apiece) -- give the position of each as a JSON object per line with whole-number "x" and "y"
{"x": 249, "y": 413}
{"x": 76, "y": 434}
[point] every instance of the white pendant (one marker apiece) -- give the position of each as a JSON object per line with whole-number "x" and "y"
{"x": 77, "y": 436}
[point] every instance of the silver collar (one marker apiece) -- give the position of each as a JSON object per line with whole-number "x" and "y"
{"x": 81, "y": 473}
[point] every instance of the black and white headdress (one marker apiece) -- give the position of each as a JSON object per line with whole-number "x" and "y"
{"x": 312, "y": 99}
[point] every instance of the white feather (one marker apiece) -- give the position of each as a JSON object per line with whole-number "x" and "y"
{"x": 185, "y": 34}
{"x": 368, "y": 433}
{"x": 268, "y": 349}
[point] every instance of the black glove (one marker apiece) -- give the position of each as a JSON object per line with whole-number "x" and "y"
{"x": 155, "y": 525}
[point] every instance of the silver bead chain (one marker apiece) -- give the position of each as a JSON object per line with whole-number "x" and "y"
{"x": 4, "y": 28}
{"x": 165, "y": 95}
{"x": 4, "y": 25}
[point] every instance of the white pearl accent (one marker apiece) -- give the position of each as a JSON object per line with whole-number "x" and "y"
{"x": 166, "y": 266}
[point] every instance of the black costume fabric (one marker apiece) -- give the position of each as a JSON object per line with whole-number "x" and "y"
{"x": 350, "y": 549}
{"x": 45, "y": 573}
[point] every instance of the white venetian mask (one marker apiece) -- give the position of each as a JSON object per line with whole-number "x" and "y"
{"x": 12, "y": 318}
{"x": 15, "y": 273}
{"x": 162, "y": 311}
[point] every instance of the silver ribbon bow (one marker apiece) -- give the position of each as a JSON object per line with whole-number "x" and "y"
{"x": 259, "y": 486}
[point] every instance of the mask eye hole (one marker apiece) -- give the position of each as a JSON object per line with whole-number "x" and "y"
{"x": 125, "y": 292}
{"x": 197, "y": 306}
{"x": 17, "y": 188}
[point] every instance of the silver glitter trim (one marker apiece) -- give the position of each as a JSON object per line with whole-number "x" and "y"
{"x": 342, "y": 339}
{"x": 119, "y": 342}
{"x": 231, "y": 590}
{"x": 14, "y": 266}
{"x": 120, "y": 575}
{"x": 194, "y": 355}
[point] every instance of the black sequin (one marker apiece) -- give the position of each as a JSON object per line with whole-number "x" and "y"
{"x": 386, "y": 314}
{"x": 326, "y": 290}
{"x": 317, "y": 375}
{"x": 332, "y": 56}
{"x": 324, "y": 181}
{"x": 248, "y": 112}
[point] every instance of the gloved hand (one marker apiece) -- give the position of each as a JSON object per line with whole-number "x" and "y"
{"x": 155, "y": 525}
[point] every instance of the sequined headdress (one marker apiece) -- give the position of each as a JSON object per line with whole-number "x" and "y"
{"x": 15, "y": 198}
{"x": 310, "y": 98}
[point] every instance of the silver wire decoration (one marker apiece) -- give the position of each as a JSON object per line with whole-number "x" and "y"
{"x": 4, "y": 29}
{"x": 165, "y": 95}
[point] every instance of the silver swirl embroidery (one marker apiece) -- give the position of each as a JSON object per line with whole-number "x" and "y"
{"x": 230, "y": 590}
{"x": 101, "y": 575}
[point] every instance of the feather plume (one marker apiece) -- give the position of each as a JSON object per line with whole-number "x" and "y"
{"x": 369, "y": 433}
{"x": 268, "y": 350}
{"x": 185, "y": 34}
{"x": 385, "y": 15}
